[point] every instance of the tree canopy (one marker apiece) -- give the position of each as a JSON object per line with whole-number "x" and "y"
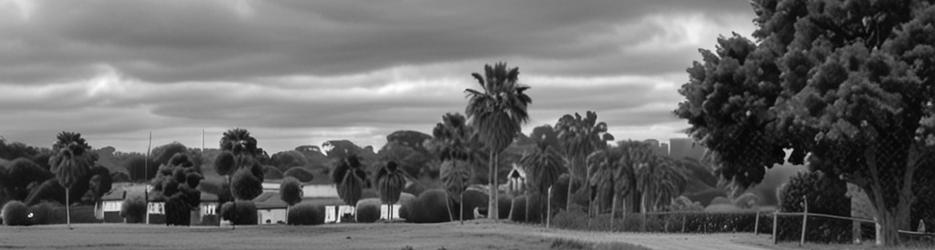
{"x": 848, "y": 82}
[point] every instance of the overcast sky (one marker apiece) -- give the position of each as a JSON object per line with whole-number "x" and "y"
{"x": 303, "y": 72}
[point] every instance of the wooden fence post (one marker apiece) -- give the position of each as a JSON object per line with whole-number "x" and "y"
{"x": 804, "y": 220}
{"x": 756, "y": 224}
{"x": 683, "y": 222}
{"x": 775, "y": 226}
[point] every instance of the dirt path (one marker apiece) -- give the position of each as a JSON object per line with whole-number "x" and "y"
{"x": 472, "y": 235}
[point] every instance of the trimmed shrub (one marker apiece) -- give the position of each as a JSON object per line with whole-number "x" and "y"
{"x": 429, "y": 207}
{"x": 245, "y": 213}
{"x": 133, "y": 209}
{"x": 368, "y": 210}
{"x": 825, "y": 195}
{"x": 306, "y": 214}
{"x": 14, "y": 214}
{"x": 42, "y": 213}
{"x": 246, "y": 185}
{"x": 299, "y": 173}
{"x": 290, "y": 191}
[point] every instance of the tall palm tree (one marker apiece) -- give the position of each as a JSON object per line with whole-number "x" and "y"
{"x": 456, "y": 145}
{"x": 579, "y": 137}
{"x": 602, "y": 165}
{"x": 633, "y": 155}
{"x": 543, "y": 167}
{"x": 659, "y": 181}
{"x": 350, "y": 178}
{"x": 391, "y": 180}
{"x": 71, "y": 163}
{"x": 497, "y": 111}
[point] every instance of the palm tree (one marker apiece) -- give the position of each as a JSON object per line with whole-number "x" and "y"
{"x": 456, "y": 145}
{"x": 633, "y": 155}
{"x": 602, "y": 165}
{"x": 71, "y": 163}
{"x": 543, "y": 166}
{"x": 456, "y": 174}
{"x": 350, "y": 177}
{"x": 497, "y": 111}
{"x": 659, "y": 181}
{"x": 579, "y": 137}
{"x": 390, "y": 183}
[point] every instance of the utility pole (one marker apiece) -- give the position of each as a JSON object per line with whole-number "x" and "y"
{"x": 146, "y": 175}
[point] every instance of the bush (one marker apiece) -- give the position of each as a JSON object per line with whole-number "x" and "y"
{"x": 824, "y": 195}
{"x": 290, "y": 191}
{"x": 299, "y": 173}
{"x": 429, "y": 207}
{"x": 368, "y": 210}
{"x": 245, "y": 213}
{"x": 306, "y": 214}
{"x": 688, "y": 222}
{"x": 133, "y": 209}
{"x": 246, "y": 185}
{"x": 272, "y": 173}
{"x": 14, "y": 214}
{"x": 42, "y": 213}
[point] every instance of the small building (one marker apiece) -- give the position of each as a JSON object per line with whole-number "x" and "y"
{"x": 207, "y": 212}
{"x": 111, "y": 203}
{"x": 516, "y": 180}
{"x": 272, "y": 210}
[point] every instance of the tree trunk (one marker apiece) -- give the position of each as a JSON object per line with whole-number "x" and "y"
{"x": 492, "y": 203}
{"x": 461, "y": 209}
{"x": 448, "y": 206}
{"x": 613, "y": 212}
{"x": 528, "y": 204}
{"x": 571, "y": 182}
{"x": 591, "y": 194}
{"x": 68, "y": 206}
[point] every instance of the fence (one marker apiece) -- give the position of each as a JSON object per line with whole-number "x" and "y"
{"x": 811, "y": 226}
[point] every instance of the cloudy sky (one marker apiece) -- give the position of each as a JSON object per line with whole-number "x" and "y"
{"x": 302, "y": 72}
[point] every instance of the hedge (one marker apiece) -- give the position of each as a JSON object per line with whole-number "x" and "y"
{"x": 306, "y": 214}
{"x": 245, "y": 213}
{"x": 14, "y": 214}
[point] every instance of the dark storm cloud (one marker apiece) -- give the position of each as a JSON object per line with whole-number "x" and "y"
{"x": 168, "y": 41}
{"x": 299, "y": 72}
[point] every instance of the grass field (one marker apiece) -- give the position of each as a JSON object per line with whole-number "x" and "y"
{"x": 473, "y": 235}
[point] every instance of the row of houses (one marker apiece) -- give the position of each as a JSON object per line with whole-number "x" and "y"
{"x": 270, "y": 208}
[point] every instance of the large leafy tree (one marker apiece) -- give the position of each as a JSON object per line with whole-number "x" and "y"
{"x": 543, "y": 166}
{"x": 848, "y": 82}
{"x": 71, "y": 163}
{"x": 390, "y": 180}
{"x": 580, "y": 136}
{"x": 177, "y": 180}
{"x": 497, "y": 111}
{"x": 604, "y": 165}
